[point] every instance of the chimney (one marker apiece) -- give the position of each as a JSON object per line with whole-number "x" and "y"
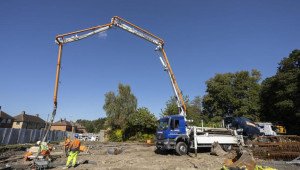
{"x": 60, "y": 120}
{"x": 37, "y": 115}
{"x": 65, "y": 119}
{"x": 23, "y": 112}
{"x": 0, "y": 108}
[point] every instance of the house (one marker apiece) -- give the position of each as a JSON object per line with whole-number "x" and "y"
{"x": 74, "y": 127}
{"x": 25, "y": 121}
{"x": 80, "y": 128}
{"x": 6, "y": 121}
{"x": 62, "y": 125}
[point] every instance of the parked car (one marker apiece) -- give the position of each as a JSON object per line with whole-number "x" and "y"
{"x": 94, "y": 138}
{"x": 83, "y": 137}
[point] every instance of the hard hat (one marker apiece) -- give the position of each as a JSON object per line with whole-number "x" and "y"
{"x": 38, "y": 142}
{"x": 50, "y": 148}
{"x": 76, "y": 135}
{"x": 48, "y": 141}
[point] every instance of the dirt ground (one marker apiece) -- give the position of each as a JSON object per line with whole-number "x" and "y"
{"x": 144, "y": 157}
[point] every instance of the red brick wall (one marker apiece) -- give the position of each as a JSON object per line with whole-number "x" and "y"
{"x": 61, "y": 128}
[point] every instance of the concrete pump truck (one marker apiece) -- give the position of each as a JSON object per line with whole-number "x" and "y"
{"x": 173, "y": 131}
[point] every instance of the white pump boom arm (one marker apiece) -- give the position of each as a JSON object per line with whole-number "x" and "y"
{"x": 125, "y": 25}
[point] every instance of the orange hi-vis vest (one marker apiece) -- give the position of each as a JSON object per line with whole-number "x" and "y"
{"x": 75, "y": 144}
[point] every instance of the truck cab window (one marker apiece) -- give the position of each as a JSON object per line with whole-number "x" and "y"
{"x": 163, "y": 124}
{"x": 176, "y": 123}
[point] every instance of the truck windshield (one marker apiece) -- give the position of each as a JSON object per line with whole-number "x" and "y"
{"x": 163, "y": 124}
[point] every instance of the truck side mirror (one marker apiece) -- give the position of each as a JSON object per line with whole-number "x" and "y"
{"x": 172, "y": 124}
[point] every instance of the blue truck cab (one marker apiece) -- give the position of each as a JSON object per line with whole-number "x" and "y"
{"x": 170, "y": 131}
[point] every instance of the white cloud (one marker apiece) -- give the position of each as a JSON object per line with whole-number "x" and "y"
{"x": 102, "y": 35}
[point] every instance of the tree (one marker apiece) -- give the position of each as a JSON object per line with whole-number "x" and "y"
{"x": 93, "y": 126}
{"x": 123, "y": 116}
{"x": 141, "y": 121}
{"x": 193, "y": 109}
{"x": 89, "y": 127}
{"x": 172, "y": 107}
{"x": 234, "y": 94}
{"x": 280, "y": 96}
{"x": 99, "y": 124}
{"x": 119, "y": 107}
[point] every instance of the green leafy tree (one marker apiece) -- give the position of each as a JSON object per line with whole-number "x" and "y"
{"x": 123, "y": 115}
{"x": 87, "y": 124}
{"x": 194, "y": 112}
{"x": 171, "y": 106}
{"x": 235, "y": 94}
{"x": 193, "y": 109}
{"x": 280, "y": 96}
{"x": 93, "y": 126}
{"x": 89, "y": 127}
{"x": 141, "y": 121}
{"x": 99, "y": 124}
{"x": 119, "y": 107}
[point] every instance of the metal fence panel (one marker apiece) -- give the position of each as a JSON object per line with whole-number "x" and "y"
{"x": 2, "y": 134}
{"x": 27, "y": 135}
{"x": 22, "y": 136}
{"x": 59, "y": 135}
{"x": 42, "y": 134}
{"x": 35, "y": 135}
{"x": 14, "y": 136}
{"x": 50, "y": 135}
{"x": 6, "y": 138}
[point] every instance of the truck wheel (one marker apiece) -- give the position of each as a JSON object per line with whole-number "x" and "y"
{"x": 181, "y": 148}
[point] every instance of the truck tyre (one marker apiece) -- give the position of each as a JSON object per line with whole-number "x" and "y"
{"x": 181, "y": 148}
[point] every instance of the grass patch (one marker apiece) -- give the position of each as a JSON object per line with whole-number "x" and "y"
{"x": 15, "y": 146}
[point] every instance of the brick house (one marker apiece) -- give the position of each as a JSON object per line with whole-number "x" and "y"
{"x": 25, "y": 121}
{"x": 74, "y": 127}
{"x": 6, "y": 121}
{"x": 80, "y": 128}
{"x": 62, "y": 125}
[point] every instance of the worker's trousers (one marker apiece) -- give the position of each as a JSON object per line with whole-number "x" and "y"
{"x": 72, "y": 155}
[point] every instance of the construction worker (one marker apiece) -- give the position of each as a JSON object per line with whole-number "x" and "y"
{"x": 46, "y": 149}
{"x": 67, "y": 145}
{"x": 74, "y": 149}
{"x": 30, "y": 153}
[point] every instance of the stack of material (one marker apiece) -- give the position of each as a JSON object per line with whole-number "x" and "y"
{"x": 284, "y": 148}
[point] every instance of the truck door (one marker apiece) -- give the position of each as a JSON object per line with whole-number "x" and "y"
{"x": 177, "y": 127}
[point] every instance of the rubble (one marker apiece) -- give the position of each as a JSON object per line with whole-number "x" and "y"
{"x": 217, "y": 150}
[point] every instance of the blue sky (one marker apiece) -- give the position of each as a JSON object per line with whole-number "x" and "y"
{"x": 202, "y": 38}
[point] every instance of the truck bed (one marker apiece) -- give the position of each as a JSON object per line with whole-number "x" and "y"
{"x": 207, "y": 135}
{"x": 221, "y": 131}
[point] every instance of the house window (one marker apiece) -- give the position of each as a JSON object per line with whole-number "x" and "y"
{"x": 8, "y": 120}
{"x": 3, "y": 121}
